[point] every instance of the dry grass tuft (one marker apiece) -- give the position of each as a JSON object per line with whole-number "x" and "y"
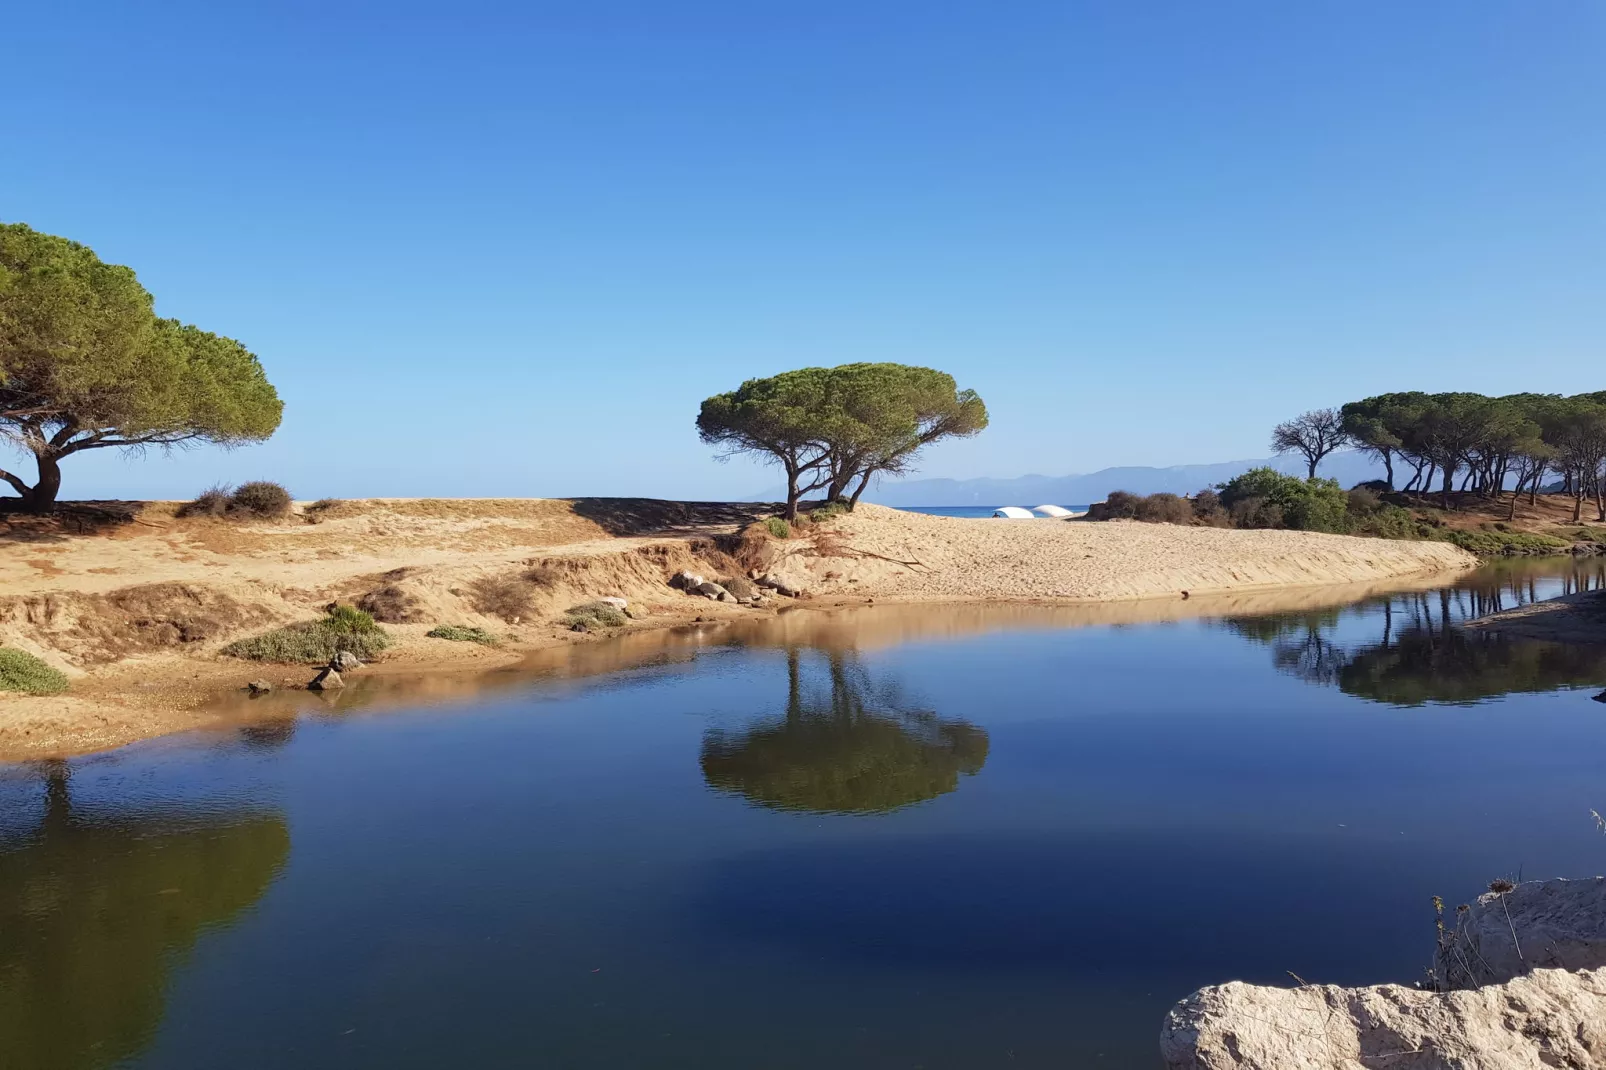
{"x": 510, "y": 598}
{"x": 390, "y": 605}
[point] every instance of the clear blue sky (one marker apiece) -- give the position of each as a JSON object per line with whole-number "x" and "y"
{"x": 507, "y": 248}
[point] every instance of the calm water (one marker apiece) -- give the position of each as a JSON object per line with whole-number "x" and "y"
{"x": 900, "y": 837}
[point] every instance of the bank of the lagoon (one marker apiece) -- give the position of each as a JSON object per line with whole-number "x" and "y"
{"x": 140, "y": 611}
{"x": 946, "y": 836}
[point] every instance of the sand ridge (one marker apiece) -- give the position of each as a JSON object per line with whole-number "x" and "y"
{"x": 894, "y": 554}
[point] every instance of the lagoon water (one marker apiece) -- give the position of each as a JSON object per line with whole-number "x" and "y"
{"x": 940, "y": 837}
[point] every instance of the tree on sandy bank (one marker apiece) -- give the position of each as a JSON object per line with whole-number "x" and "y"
{"x": 837, "y": 428}
{"x": 1313, "y": 435}
{"x": 85, "y": 363}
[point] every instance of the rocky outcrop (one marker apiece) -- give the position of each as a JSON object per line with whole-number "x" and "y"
{"x": 326, "y": 680}
{"x": 1545, "y": 1019}
{"x": 1558, "y": 924}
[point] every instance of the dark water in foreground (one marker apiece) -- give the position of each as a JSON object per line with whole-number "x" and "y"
{"x": 927, "y": 837}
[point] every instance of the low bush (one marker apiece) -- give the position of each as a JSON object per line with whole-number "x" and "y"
{"x": 317, "y": 641}
{"x": 322, "y": 510}
{"x": 390, "y": 605}
{"x": 1387, "y": 522}
{"x": 21, "y": 671}
{"x": 1502, "y": 543}
{"x": 260, "y": 499}
{"x": 1207, "y": 509}
{"x": 1164, "y": 508}
{"x": 507, "y": 597}
{"x": 1363, "y": 501}
{"x": 821, "y": 513}
{"x": 543, "y": 575}
{"x": 213, "y": 501}
{"x": 460, "y": 634}
{"x": 594, "y": 615}
{"x": 778, "y": 527}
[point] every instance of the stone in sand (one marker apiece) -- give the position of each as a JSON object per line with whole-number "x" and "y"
{"x": 345, "y": 661}
{"x": 259, "y": 687}
{"x": 615, "y": 601}
{"x": 686, "y": 581}
{"x": 327, "y": 680}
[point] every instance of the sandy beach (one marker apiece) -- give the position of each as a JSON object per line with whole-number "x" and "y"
{"x": 136, "y": 612}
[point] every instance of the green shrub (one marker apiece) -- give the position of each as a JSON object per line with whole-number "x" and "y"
{"x": 21, "y": 671}
{"x": 260, "y": 499}
{"x": 1387, "y": 522}
{"x": 778, "y": 527}
{"x": 213, "y": 501}
{"x": 594, "y": 615}
{"x": 461, "y": 634}
{"x": 316, "y": 641}
{"x": 821, "y": 513}
{"x": 1266, "y": 498}
{"x": 1207, "y": 508}
{"x": 1363, "y": 501}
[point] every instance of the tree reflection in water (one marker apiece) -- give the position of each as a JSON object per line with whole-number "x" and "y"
{"x": 852, "y": 752}
{"x": 96, "y": 907}
{"x": 1420, "y": 654}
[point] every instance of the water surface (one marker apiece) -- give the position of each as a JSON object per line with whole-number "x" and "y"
{"x": 898, "y": 837}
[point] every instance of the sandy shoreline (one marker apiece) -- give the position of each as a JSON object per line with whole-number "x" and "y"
{"x": 1570, "y": 618}
{"x": 135, "y": 615}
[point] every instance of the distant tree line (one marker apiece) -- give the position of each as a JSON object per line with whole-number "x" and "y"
{"x": 1489, "y": 443}
{"x": 837, "y": 429}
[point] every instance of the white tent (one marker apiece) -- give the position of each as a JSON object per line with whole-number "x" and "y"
{"x": 1014, "y": 512}
{"x": 1053, "y": 510}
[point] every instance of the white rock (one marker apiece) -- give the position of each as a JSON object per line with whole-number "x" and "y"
{"x": 615, "y": 601}
{"x": 1559, "y": 924}
{"x": 1549, "y": 1018}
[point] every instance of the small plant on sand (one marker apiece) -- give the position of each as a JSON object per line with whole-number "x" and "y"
{"x": 259, "y": 499}
{"x": 321, "y": 510}
{"x": 21, "y": 671}
{"x": 778, "y": 527}
{"x": 458, "y": 633}
{"x": 829, "y": 511}
{"x": 213, "y": 501}
{"x": 508, "y": 597}
{"x": 315, "y": 642}
{"x": 594, "y": 615}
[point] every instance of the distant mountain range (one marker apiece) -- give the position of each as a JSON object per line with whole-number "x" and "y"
{"x": 1348, "y": 467}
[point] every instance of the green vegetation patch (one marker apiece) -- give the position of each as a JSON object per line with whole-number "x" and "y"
{"x": 21, "y": 671}
{"x": 459, "y": 633}
{"x": 315, "y": 642}
{"x": 778, "y": 527}
{"x": 594, "y": 615}
{"x": 1502, "y": 543}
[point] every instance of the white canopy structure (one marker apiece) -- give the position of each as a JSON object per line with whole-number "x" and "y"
{"x": 1014, "y": 512}
{"x": 1052, "y": 510}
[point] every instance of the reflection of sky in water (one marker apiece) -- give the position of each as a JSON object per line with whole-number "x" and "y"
{"x": 548, "y": 878}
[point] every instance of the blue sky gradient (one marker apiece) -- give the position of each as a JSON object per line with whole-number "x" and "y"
{"x": 506, "y": 249}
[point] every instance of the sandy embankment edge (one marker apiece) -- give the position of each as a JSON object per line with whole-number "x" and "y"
{"x": 876, "y": 555}
{"x": 1569, "y": 618}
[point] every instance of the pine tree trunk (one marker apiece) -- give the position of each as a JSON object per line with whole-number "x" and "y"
{"x": 41, "y": 497}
